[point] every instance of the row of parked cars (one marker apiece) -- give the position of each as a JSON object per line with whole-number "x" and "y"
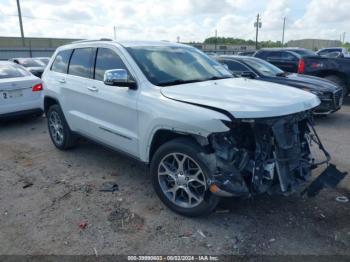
{"x": 329, "y": 63}
{"x": 330, "y": 94}
{"x": 204, "y": 132}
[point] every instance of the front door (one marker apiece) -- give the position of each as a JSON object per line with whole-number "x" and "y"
{"x": 112, "y": 109}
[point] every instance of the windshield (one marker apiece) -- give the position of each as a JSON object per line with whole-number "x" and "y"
{"x": 29, "y": 62}
{"x": 8, "y": 70}
{"x": 263, "y": 67}
{"x": 168, "y": 65}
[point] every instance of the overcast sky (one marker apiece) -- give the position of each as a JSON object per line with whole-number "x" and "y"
{"x": 191, "y": 20}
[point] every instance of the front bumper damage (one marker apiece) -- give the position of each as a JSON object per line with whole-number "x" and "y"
{"x": 270, "y": 155}
{"x": 330, "y": 102}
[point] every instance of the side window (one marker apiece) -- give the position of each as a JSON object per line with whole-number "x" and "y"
{"x": 234, "y": 66}
{"x": 288, "y": 56}
{"x": 324, "y": 52}
{"x": 60, "y": 64}
{"x": 106, "y": 59}
{"x": 81, "y": 62}
{"x": 261, "y": 54}
{"x": 275, "y": 55}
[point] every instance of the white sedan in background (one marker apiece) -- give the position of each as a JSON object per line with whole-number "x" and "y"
{"x": 20, "y": 91}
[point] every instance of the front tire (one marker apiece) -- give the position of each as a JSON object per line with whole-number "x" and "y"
{"x": 179, "y": 176}
{"x": 61, "y": 135}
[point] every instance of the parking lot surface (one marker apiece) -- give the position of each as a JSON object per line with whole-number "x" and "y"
{"x": 51, "y": 203}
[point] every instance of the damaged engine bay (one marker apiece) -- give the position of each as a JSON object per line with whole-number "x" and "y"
{"x": 267, "y": 155}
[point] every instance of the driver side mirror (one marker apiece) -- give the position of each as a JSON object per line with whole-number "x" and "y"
{"x": 119, "y": 77}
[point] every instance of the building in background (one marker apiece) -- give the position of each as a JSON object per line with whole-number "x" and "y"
{"x": 314, "y": 44}
{"x": 34, "y": 47}
{"x": 222, "y": 49}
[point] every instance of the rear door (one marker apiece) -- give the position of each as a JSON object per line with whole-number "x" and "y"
{"x": 55, "y": 77}
{"x": 76, "y": 93}
{"x": 284, "y": 60}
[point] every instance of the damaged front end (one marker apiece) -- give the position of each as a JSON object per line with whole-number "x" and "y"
{"x": 270, "y": 155}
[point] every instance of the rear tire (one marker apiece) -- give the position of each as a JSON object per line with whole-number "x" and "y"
{"x": 61, "y": 135}
{"x": 340, "y": 82}
{"x": 179, "y": 176}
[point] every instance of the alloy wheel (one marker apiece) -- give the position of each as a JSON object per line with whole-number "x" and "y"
{"x": 56, "y": 128}
{"x": 182, "y": 180}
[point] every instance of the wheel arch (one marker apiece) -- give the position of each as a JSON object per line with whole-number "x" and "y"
{"x": 162, "y": 136}
{"x": 49, "y": 101}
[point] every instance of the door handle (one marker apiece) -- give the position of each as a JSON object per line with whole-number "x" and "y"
{"x": 62, "y": 81}
{"x": 93, "y": 88}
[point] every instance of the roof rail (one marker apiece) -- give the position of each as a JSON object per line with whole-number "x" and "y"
{"x": 91, "y": 40}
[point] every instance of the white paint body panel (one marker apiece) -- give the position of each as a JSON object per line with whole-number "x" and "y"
{"x": 20, "y": 85}
{"x": 245, "y": 98}
{"x": 127, "y": 119}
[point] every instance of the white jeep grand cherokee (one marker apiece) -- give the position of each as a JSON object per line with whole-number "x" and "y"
{"x": 204, "y": 133}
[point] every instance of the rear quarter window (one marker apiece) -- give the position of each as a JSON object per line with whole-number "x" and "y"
{"x": 60, "y": 64}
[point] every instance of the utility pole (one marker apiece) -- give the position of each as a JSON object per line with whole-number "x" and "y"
{"x": 20, "y": 22}
{"x": 344, "y": 37}
{"x": 284, "y": 27}
{"x": 257, "y": 24}
{"x": 115, "y": 32}
{"x": 178, "y": 39}
{"x": 216, "y": 38}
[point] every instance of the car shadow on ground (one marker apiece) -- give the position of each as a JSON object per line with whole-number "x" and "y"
{"x": 14, "y": 122}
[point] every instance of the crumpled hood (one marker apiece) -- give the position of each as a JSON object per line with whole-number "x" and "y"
{"x": 244, "y": 98}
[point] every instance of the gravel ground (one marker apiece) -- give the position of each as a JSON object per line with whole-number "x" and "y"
{"x": 51, "y": 203}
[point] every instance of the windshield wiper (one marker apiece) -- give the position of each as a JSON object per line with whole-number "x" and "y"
{"x": 179, "y": 82}
{"x": 218, "y": 78}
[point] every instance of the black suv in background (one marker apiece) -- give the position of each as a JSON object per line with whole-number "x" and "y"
{"x": 251, "y": 67}
{"x": 303, "y": 61}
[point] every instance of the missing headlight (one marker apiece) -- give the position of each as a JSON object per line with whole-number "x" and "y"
{"x": 267, "y": 155}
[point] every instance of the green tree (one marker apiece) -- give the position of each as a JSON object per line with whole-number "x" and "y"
{"x": 239, "y": 41}
{"x": 346, "y": 45}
